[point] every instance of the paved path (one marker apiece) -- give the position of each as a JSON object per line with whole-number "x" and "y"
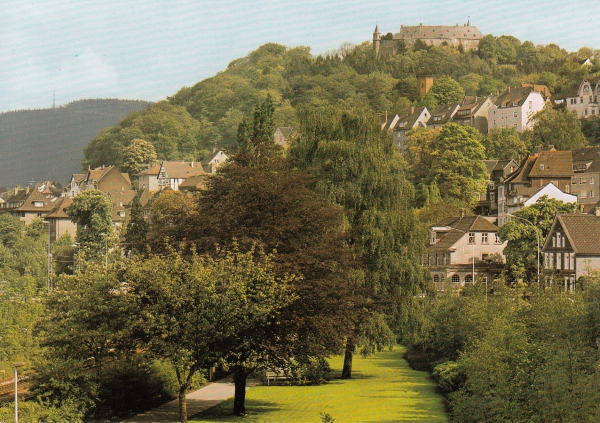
{"x": 197, "y": 401}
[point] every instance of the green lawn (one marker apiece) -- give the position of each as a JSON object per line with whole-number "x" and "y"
{"x": 383, "y": 389}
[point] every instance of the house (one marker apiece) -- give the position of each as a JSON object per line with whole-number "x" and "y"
{"x": 474, "y": 112}
{"x": 170, "y": 174}
{"x": 29, "y": 203}
{"x": 515, "y": 108}
{"x": 75, "y": 186}
{"x": 284, "y": 135}
{"x": 584, "y": 101}
{"x": 400, "y": 125}
{"x": 193, "y": 183}
{"x": 442, "y": 115}
{"x": 462, "y": 249}
{"x": 527, "y": 196}
{"x": 540, "y": 88}
{"x": 213, "y": 161}
{"x": 572, "y": 249}
{"x": 60, "y": 223}
{"x": 498, "y": 171}
{"x": 104, "y": 178}
{"x": 584, "y": 184}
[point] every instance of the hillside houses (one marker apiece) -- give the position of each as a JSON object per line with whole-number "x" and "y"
{"x": 514, "y": 108}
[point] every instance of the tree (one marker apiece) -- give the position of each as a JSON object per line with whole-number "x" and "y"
{"x": 559, "y": 128}
{"x": 505, "y": 143}
{"x": 419, "y": 153}
{"x": 137, "y": 156}
{"x": 92, "y": 211}
{"x": 137, "y": 227}
{"x": 445, "y": 90}
{"x": 457, "y": 167}
{"x": 521, "y": 250}
{"x": 358, "y": 167}
{"x": 202, "y": 311}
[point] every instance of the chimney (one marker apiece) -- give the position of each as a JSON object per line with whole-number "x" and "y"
{"x": 463, "y": 213}
{"x": 508, "y": 89}
{"x": 192, "y": 164}
{"x": 412, "y": 109}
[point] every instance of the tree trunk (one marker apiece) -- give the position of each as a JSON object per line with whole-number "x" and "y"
{"x": 182, "y": 404}
{"x": 239, "y": 401}
{"x": 347, "y": 370}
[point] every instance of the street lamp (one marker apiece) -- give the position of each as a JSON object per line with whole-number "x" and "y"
{"x": 78, "y": 246}
{"x": 15, "y": 365}
{"x": 538, "y": 244}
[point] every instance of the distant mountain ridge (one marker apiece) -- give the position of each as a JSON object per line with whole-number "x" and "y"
{"x": 44, "y": 144}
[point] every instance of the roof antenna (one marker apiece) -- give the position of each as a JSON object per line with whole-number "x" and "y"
{"x": 469, "y": 21}
{"x": 54, "y": 99}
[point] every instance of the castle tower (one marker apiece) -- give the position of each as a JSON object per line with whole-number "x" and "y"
{"x": 424, "y": 84}
{"x": 376, "y": 41}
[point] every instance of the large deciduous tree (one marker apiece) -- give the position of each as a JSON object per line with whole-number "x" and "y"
{"x": 457, "y": 167}
{"x": 92, "y": 211}
{"x": 358, "y": 167}
{"x": 445, "y": 90}
{"x": 505, "y": 143}
{"x": 559, "y": 128}
{"x": 137, "y": 156}
{"x": 199, "y": 312}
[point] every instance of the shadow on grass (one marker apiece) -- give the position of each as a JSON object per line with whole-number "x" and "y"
{"x": 223, "y": 412}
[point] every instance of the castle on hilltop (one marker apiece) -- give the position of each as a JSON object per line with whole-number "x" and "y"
{"x": 466, "y": 36}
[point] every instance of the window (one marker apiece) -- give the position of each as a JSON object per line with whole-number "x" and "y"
{"x": 121, "y": 213}
{"x": 585, "y": 112}
{"x": 541, "y": 166}
{"x": 554, "y": 241}
{"x": 551, "y": 260}
{"x": 546, "y": 259}
{"x": 498, "y": 239}
{"x": 436, "y": 279}
{"x": 515, "y": 104}
{"x": 559, "y": 261}
{"x": 558, "y": 239}
{"x": 592, "y": 180}
{"x": 591, "y": 193}
{"x": 530, "y": 105}
{"x": 491, "y": 185}
{"x": 493, "y": 197}
{"x": 591, "y": 99}
{"x": 515, "y": 114}
{"x": 574, "y": 181}
{"x": 471, "y": 237}
{"x": 581, "y": 100}
{"x": 469, "y": 279}
{"x": 438, "y": 259}
{"x": 433, "y": 238}
{"x": 583, "y": 194}
{"x": 484, "y": 238}
{"x": 455, "y": 279}
{"x": 567, "y": 188}
{"x": 38, "y": 204}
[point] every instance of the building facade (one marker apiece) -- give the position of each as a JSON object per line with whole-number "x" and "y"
{"x": 515, "y": 108}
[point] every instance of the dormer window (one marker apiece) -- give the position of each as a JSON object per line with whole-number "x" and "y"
{"x": 541, "y": 167}
{"x": 433, "y": 238}
{"x": 38, "y": 204}
{"x": 515, "y": 104}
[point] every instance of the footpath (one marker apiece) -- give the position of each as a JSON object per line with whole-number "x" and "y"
{"x": 197, "y": 401}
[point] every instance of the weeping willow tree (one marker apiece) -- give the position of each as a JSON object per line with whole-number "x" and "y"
{"x": 357, "y": 166}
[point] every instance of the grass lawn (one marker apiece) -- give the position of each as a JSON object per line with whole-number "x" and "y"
{"x": 383, "y": 389}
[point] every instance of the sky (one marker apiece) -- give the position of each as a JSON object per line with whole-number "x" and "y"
{"x": 149, "y": 49}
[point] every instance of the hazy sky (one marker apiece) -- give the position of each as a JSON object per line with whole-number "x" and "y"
{"x": 149, "y": 49}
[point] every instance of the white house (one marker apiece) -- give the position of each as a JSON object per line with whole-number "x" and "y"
{"x": 514, "y": 108}
{"x": 584, "y": 101}
{"x": 400, "y": 125}
{"x": 460, "y": 245}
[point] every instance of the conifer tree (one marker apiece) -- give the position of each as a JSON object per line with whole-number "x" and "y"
{"x": 137, "y": 227}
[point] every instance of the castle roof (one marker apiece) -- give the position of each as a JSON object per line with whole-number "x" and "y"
{"x": 465, "y": 32}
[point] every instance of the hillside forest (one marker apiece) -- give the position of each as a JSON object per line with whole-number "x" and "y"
{"x": 288, "y": 257}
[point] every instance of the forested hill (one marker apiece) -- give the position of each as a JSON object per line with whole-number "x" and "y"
{"x": 49, "y": 143}
{"x": 196, "y": 118}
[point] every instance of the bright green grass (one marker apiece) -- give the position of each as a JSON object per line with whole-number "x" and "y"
{"x": 383, "y": 389}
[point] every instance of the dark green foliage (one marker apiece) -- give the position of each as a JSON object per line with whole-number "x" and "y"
{"x": 137, "y": 227}
{"x": 516, "y": 355}
{"x": 505, "y": 143}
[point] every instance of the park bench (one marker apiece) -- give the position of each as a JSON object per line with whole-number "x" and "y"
{"x": 275, "y": 375}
